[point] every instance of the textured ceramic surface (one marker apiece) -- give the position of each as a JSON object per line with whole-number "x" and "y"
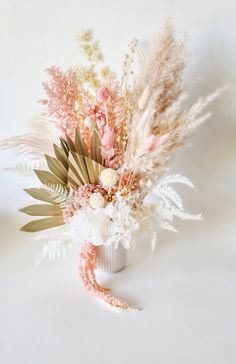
{"x": 111, "y": 260}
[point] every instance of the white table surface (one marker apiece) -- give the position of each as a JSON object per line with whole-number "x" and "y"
{"x": 187, "y": 288}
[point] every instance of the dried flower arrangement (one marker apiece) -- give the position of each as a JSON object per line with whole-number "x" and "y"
{"x": 106, "y": 143}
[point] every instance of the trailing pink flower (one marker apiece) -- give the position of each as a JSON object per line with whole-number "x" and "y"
{"x": 87, "y": 266}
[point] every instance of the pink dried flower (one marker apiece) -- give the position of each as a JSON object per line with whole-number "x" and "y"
{"x": 83, "y": 193}
{"x": 108, "y": 138}
{"x": 108, "y": 152}
{"x": 69, "y": 212}
{"x": 111, "y": 156}
{"x": 102, "y": 94}
{"x": 115, "y": 161}
{"x": 101, "y": 121}
{"x": 63, "y": 94}
{"x": 153, "y": 143}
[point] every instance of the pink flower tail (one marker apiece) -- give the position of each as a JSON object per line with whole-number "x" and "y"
{"x": 87, "y": 265}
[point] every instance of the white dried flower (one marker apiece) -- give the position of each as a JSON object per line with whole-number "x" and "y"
{"x": 89, "y": 122}
{"x": 149, "y": 183}
{"x": 96, "y": 200}
{"x": 116, "y": 224}
{"x": 109, "y": 177}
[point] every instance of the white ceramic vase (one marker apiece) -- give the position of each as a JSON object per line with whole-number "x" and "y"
{"x": 109, "y": 259}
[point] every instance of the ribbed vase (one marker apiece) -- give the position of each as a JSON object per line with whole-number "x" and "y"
{"x": 109, "y": 259}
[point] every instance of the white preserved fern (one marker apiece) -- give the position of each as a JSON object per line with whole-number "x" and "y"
{"x": 26, "y": 169}
{"x": 57, "y": 244}
{"x": 170, "y": 203}
{"x": 175, "y": 178}
{"x": 65, "y": 197}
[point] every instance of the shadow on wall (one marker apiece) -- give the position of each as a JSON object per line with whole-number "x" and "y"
{"x": 9, "y": 228}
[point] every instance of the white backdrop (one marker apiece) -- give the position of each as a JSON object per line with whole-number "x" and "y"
{"x": 187, "y": 287}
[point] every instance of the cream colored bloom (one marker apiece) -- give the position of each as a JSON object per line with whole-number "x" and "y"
{"x": 89, "y": 122}
{"x": 109, "y": 177}
{"x": 86, "y": 36}
{"x": 149, "y": 183}
{"x": 96, "y": 200}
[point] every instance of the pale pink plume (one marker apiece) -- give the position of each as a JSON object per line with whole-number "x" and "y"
{"x": 153, "y": 143}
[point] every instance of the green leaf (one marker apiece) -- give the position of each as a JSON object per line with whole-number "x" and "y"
{"x": 47, "y": 177}
{"x": 57, "y": 168}
{"x": 43, "y": 224}
{"x": 42, "y": 210}
{"x": 40, "y": 194}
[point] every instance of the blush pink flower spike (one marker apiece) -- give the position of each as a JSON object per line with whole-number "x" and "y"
{"x": 108, "y": 138}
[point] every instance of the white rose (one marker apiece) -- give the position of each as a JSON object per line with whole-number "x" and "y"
{"x": 109, "y": 177}
{"x": 96, "y": 200}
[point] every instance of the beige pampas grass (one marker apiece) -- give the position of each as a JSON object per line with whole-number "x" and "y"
{"x": 159, "y": 121}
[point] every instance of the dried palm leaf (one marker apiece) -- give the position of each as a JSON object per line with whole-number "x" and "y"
{"x": 42, "y": 210}
{"x": 40, "y": 194}
{"x": 42, "y": 224}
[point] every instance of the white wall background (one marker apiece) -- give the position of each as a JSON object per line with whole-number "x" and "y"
{"x": 187, "y": 288}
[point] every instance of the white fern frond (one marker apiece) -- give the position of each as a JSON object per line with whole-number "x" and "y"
{"x": 167, "y": 226}
{"x": 56, "y": 233}
{"x": 176, "y": 178}
{"x": 166, "y": 213}
{"x": 53, "y": 250}
{"x": 170, "y": 213}
{"x": 169, "y": 193}
{"x": 27, "y": 168}
{"x": 153, "y": 240}
{"x": 57, "y": 244}
{"x": 185, "y": 215}
{"x": 63, "y": 196}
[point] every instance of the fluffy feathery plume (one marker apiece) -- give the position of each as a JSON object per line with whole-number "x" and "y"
{"x": 64, "y": 98}
{"x": 162, "y": 75}
{"x": 160, "y": 125}
{"x": 157, "y": 88}
{"x": 36, "y": 142}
